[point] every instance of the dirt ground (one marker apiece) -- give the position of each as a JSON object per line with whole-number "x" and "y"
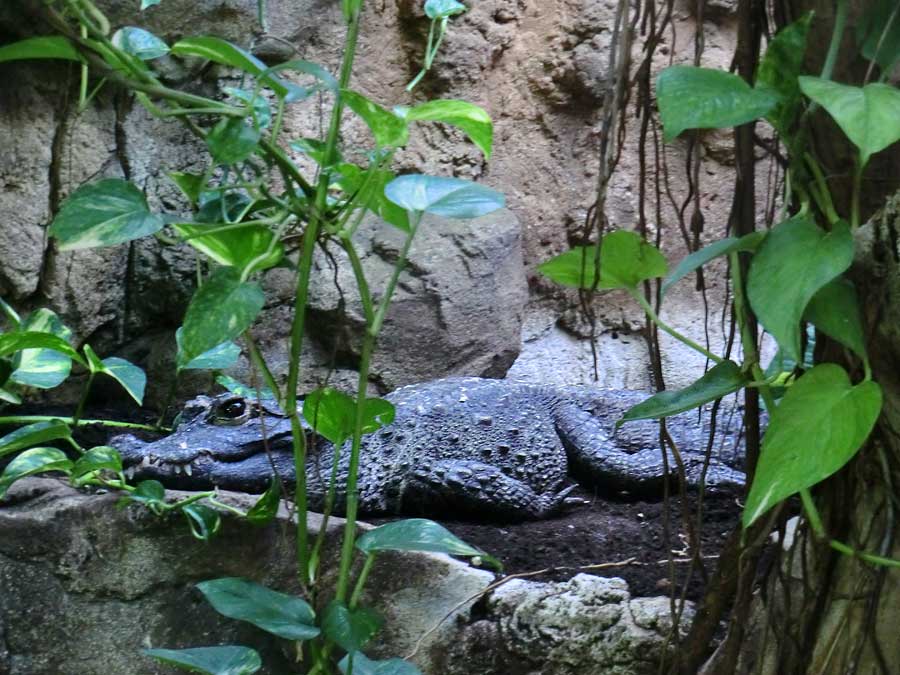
{"x": 610, "y": 531}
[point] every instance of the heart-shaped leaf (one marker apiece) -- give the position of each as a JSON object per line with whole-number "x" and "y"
{"x": 350, "y": 629}
{"x": 794, "y": 261}
{"x": 150, "y": 493}
{"x": 221, "y": 51}
{"x": 105, "y": 213}
{"x": 703, "y": 98}
{"x": 277, "y": 613}
{"x": 232, "y": 140}
{"x": 362, "y": 665}
{"x": 448, "y": 197}
{"x": 221, "y": 309}
{"x": 226, "y": 660}
{"x": 132, "y": 378}
{"x": 42, "y": 368}
{"x": 834, "y": 310}
{"x": 249, "y": 248}
{"x": 205, "y": 522}
{"x": 820, "y": 424}
{"x": 36, "y": 460}
{"x": 368, "y": 186}
{"x": 867, "y": 115}
{"x": 419, "y": 534}
{"x": 778, "y": 72}
{"x": 265, "y": 509}
{"x": 262, "y": 114}
{"x": 439, "y": 9}
{"x": 878, "y": 33}
{"x": 467, "y": 117}
{"x": 99, "y": 458}
{"x": 140, "y": 43}
{"x": 625, "y": 261}
{"x": 332, "y": 414}
{"x": 389, "y": 130}
{"x": 722, "y": 379}
{"x": 33, "y": 434}
{"x": 219, "y": 357}
{"x": 11, "y": 343}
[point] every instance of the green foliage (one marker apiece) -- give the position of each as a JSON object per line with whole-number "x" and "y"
{"x": 221, "y": 309}
{"x": 793, "y": 458}
{"x": 30, "y": 462}
{"x": 350, "y": 629}
{"x": 362, "y": 665}
{"x": 140, "y": 43}
{"x": 232, "y": 140}
{"x": 867, "y": 115}
{"x": 778, "y": 72}
{"x": 447, "y": 197}
{"x": 834, "y": 310}
{"x": 698, "y": 259}
{"x": 219, "y": 357}
{"x": 625, "y": 261}
{"x": 132, "y": 378}
{"x": 277, "y": 613}
{"x": 42, "y": 368}
{"x": 702, "y": 98}
{"x": 469, "y": 118}
{"x": 388, "y": 129}
{"x": 793, "y": 263}
{"x": 108, "y": 212}
{"x": 32, "y": 435}
{"x": 878, "y": 34}
{"x": 100, "y": 458}
{"x": 722, "y": 379}
{"x": 265, "y": 509}
{"x": 46, "y": 47}
{"x": 332, "y": 414}
{"x": 248, "y": 248}
{"x": 419, "y": 534}
{"x": 226, "y": 660}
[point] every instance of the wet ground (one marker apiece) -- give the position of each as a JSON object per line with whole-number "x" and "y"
{"x": 610, "y": 531}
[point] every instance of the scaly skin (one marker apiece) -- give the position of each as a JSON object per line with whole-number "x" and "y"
{"x": 463, "y": 446}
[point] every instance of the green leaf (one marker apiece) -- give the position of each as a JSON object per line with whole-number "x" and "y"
{"x": 722, "y": 379}
{"x": 219, "y": 357}
{"x": 42, "y": 368}
{"x": 834, "y": 310}
{"x": 625, "y": 261}
{"x": 332, "y": 414}
{"x": 818, "y": 427}
{"x": 697, "y": 259}
{"x": 235, "y": 387}
{"x": 204, "y": 521}
{"x": 99, "y": 458}
{"x": 362, "y": 665}
{"x": 315, "y": 149}
{"x": 132, "y": 378}
{"x": 149, "y": 3}
{"x": 11, "y": 315}
{"x": 261, "y": 111}
{"x": 36, "y": 460}
{"x": 703, "y": 98}
{"x": 190, "y": 184}
{"x": 779, "y": 70}
{"x": 794, "y": 261}
{"x": 867, "y": 115}
{"x": 265, "y": 509}
{"x": 247, "y": 248}
{"x": 221, "y": 309}
{"x": 277, "y": 613}
{"x": 105, "y": 213}
{"x": 448, "y": 197}
{"x": 294, "y": 91}
{"x": 10, "y": 397}
{"x": 140, "y": 43}
{"x": 232, "y": 140}
{"x": 350, "y": 629}
{"x": 878, "y": 33}
{"x": 388, "y": 129}
{"x": 216, "y": 207}
{"x": 352, "y": 179}
{"x": 49, "y": 47}
{"x": 438, "y": 9}
{"x": 151, "y": 493}
{"x": 468, "y": 117}
{"x": 418, "y": 534}
{"x": 14, "y": 342}
{"x": 33, "y": 434}
{"x": 226, "y": 660}
{"x": 221, "y": 51}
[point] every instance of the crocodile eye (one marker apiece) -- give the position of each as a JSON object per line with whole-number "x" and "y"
{"x": 233, "y": 408}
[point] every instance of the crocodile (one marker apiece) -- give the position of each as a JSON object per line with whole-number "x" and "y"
{"x": 492, "y": 449}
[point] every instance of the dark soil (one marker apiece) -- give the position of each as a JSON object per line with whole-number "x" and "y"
{"x": 610, "y": 531}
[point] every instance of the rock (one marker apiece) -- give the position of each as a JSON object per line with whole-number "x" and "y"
{"x": 588, "y": 624}
{"x": 457, "y": 308}
{"x": 84, "y": 586}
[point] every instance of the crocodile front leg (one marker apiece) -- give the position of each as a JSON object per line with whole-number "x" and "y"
{"x": 466, "y": 488}
{"x": 596, "y": 458}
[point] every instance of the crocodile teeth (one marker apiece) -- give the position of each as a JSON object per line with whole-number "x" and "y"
{"x": 176, "y": 469}
{"x": 129, "y": 472}
{"x": 187, "y": 469}
{"x": 145, "y": 463}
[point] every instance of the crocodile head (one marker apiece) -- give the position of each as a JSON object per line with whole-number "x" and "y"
{"x": 220, "y": 441}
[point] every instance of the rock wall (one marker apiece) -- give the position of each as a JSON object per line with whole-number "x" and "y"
{"x": 538, "y": 67}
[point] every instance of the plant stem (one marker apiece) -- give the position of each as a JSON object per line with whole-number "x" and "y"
{"x": 837, "y": 34}
{"x": 857, "y": 189}
{"x": 361, "y": 580}
{"x": 31, "y": 419}
{"x": 642, "y": 301}
{"x": 79, "y": 411}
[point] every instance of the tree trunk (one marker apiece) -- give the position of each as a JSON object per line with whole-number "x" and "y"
{"x": 816, "y": 610}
